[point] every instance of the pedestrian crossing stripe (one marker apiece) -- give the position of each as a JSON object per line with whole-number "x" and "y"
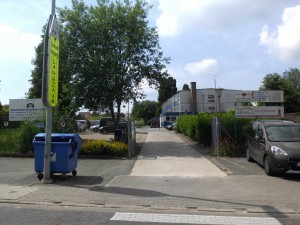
{"x": 193, "y": 219}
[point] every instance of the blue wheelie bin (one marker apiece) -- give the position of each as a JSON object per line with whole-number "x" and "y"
{"x": 64, "y": 153}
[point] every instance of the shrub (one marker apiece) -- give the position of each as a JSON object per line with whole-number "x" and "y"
{"x": 117, "y": 148}
{"x": 27, "y": 131}
{"x": 204, "y": 127}
{"x": 234, "y": 130}
{"x": 9, "y": 140}
{"x": 101, "y": 147}
{"x": 140, "y": 123}
{"x": 187, "y": 124}
{"x": 93, "y": 147}
{"x": 226, "y": 148}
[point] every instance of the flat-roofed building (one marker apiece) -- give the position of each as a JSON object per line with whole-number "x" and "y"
{"x": 195, "y": 100}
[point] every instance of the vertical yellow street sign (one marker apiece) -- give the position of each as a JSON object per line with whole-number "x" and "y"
{"x": 53, "y": 64}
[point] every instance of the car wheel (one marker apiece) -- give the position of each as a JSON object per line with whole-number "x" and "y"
{"x": 95, "y": 129}
{"x": 249, "y": 159}
{"x": 268, "y": 169}
{"x": 104, "y": 132}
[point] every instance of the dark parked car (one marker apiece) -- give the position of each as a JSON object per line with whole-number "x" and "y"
{"x": 111, "y": 128}
{"x": 275, "y": 144}
{"x": 109, "y": 121}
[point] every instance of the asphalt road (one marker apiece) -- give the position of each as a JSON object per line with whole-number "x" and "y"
{"x": 240, "y": 166}
{"x": 23, "y": 214}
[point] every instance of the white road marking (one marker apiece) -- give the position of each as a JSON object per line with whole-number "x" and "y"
{"x": 194, "y": 219}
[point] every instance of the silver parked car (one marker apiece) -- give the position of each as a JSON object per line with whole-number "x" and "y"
{"x": 275, "y": 144}
{"x": 94, "y": 128}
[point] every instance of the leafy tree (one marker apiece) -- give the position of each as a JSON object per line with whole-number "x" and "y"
{"x": 167, "y": 88}
{"x": 288, "y": 84}
{"x": 185, "y": 87}
{"x": 273, "y": 81}
{"x": 35, "y": 91}
{"x": 112, "y": 51}
{"x": 292, "y": 93}
{"x": 293, "y": 77}
{"x": 145, "y": 110}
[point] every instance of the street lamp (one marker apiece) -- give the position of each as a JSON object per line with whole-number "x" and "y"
{"x": 218, "y": 92}
{"x": 203, "y": 101}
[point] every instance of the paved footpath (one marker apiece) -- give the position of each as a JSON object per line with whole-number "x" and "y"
{"x": 166, "y": 154}
{"x": 169, "y": 174}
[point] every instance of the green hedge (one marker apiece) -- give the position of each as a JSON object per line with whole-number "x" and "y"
{"x": 102, "y": 147}
{"x": 233, "y": 131}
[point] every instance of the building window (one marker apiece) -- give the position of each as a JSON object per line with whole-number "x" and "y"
{"x": 211, "y": 109}
{"x": 211, "y": 98}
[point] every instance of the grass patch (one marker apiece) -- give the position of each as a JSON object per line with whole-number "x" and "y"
{"x": 9, "y": 140}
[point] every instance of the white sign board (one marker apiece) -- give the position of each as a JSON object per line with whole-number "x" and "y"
{"x": 25, "y": 109}
{"x": 259, "y": 111}
{"x": 259, "y": 96}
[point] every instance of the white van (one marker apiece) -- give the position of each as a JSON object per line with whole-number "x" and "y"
{"x": 82, "y": 124}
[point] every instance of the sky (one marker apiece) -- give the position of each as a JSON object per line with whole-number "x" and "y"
{"x": 231, "y": 44}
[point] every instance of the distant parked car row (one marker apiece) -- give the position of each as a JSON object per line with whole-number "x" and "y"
{"x": 112, "y": 127}
{"x": 107, "y": 125}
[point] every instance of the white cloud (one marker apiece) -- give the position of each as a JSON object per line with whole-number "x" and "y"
{"x": 17, "y": 46}
{"x": 180, "y": 16}
{"x": 17, "y": 51}
{"x": 204, "y": 67}
{"x": 284, "y": 41}
{"x": 174, "y": 14}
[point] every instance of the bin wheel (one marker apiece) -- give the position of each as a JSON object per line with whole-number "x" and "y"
{"x": 63, "y": 176}
{"x": 74, "y": 173}
{"x": 40, "y": 176}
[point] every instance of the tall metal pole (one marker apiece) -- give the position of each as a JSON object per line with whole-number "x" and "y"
{"x": 53, "y": 8}
{"x": 47, "y": 156}
{"x": 129, "y": 133}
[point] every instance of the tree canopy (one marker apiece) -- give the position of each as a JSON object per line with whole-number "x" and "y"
{"x": 185, "y": 87}
{"x": 289, "y": 83}
{"x": 167, "y": 88}
{"x": 145, "y": 110}
{"x": 111, "y": 52}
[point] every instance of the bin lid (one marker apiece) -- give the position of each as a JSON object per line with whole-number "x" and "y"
{"x": 56, "y": 137}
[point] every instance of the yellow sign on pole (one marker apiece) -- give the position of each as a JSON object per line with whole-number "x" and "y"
{"x": 53, "y": 68}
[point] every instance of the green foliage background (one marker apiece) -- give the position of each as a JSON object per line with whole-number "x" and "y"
{"x": 234, "y": 130}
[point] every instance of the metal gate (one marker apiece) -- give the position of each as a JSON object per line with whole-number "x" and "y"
{"x": 215, "y": 134}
